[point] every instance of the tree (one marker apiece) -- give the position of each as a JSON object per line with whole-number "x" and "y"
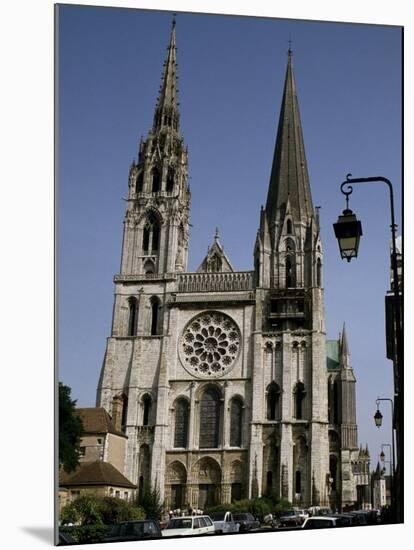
{"x": 70, "y": 430}
{"x": 150, "y": 501}
{"x": 92, "y": 509}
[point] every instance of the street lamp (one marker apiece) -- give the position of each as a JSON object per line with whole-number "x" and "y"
{"x": 378, "y": 418}
{"x": 348, "y": 231}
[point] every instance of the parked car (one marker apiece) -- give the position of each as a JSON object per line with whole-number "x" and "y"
{"x": 247, "y": 522}
{"x": 65, "y": 539}
{"x": 224, "y": 522}
{"x": 344, "y": 520}
{"x": 291, "y": 518}
{"x": 320, "y": 522}
{"x": 319, "y": 511}
{"x": 271, "y": 521}
{"x": 188, "y": 525}
{"x": 134, "y": 530}
{"x": 303, "y": 514}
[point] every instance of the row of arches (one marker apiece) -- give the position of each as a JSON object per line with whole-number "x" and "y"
{"x": 133, "y": 313}
{"x": 204, "y": 484}
{"x": 273, "y": 401}
{"x": 155, "y": 181}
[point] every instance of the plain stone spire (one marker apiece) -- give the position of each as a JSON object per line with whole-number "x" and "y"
{"x": 289, "y": 178}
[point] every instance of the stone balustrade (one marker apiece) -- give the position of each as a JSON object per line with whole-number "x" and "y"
{"x": 215, "y": 282}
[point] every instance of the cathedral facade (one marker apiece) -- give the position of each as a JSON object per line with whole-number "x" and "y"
{"x": 223, "y": 381}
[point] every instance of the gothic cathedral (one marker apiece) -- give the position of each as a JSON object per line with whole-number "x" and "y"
{"x": 223, "y": 380}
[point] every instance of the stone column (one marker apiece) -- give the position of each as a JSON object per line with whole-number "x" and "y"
{"x": 225, "y": 493}
{"x": 191, "y": 422}
{"x": 226, "y": 416}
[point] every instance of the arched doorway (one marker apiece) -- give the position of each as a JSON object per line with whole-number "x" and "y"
{"x": 208, "y": 475}
{"x": 177, "y": 479}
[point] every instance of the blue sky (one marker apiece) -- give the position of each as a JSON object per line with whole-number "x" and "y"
{"x": 231, "y": 74}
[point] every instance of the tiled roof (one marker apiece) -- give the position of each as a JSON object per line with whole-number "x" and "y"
{"x": 94, "y": 473}
{"x": 96, "y": 420}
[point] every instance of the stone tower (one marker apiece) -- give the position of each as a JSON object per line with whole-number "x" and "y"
{"x": 289, "y": 358}
{"x": 219, "y": 377}
{"x": 154, "y": 249}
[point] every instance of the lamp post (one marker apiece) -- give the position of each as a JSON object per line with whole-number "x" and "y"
{"x": 382, "y": 457}
{"x": 390, "y": 462}
{"x": 348, "y": 231}
{"x": 378, "y": 422}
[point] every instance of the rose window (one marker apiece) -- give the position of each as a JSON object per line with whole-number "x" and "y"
{"x": 210, "y": 344}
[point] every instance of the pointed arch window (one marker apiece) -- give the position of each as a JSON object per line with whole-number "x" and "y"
{"x": 298, "y": 482}
{"x": 149, "y": 267}
{"x": 209, "y": 419}
{"x": 133, "y": 317}
{"x": 290, "y": 271}
{"x": 146, "y": 409}
{"x": 124, "y": 412}
{"x": 170, "y": 181}
{"x": 273, "y": 402}
{"x": 289, "y": 227}
{"x": 333, "y": 466}
{"x": 236, "y": 422}
{"x": 290, "y": 264}
{"x": 155, "y": 306}
{"x": 335, "y": 403}
{"x": 140, "y": 182}
{"x": 181, "y": 423}
{"x": 269, "y": 482}
{"x": 318, "y": 272}
{"x": 151, "y": 235}
{"x": 156, "y": 180}
{"x": 330, "y": 398}
{"x": 299, "y": 396}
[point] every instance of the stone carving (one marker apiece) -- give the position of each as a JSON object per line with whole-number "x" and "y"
{"x": 210, "y": 344}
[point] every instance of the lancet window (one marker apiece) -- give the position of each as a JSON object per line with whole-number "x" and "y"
{"x": 151, "y": 235}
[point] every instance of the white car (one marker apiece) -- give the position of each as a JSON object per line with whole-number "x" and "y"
{"x": 224, "y": 523}
{"x": 188, "y": 525}
{"x": 303, "y": 514}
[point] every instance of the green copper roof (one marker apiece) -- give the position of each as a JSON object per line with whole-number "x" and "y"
{"x": 332, "y": 354}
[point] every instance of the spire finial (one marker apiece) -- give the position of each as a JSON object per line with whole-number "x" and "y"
{"x": 290, "y": 46}
{"x": 217, "y": 235}
{"x": 174, "y": 20}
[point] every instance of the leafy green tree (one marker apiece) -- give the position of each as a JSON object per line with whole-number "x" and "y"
{"x": 115, "y": 510}
{"x": 150, "y": 501}
{"x": 70, "y": 430}
{"x": 91, "y": 509}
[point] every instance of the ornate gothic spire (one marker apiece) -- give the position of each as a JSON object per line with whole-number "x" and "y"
{"x": 166, "y": 111}
{"x": 289, "y": 179}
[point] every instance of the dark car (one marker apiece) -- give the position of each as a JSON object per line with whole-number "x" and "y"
{"x": 291, "y": 518}
{"x": 360, "y": 516}
{"x": 65, "y": 539}
{"x": 134, "y": 530}
{"x": 344, "y": 520}
{"x": 246, "y": 522}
